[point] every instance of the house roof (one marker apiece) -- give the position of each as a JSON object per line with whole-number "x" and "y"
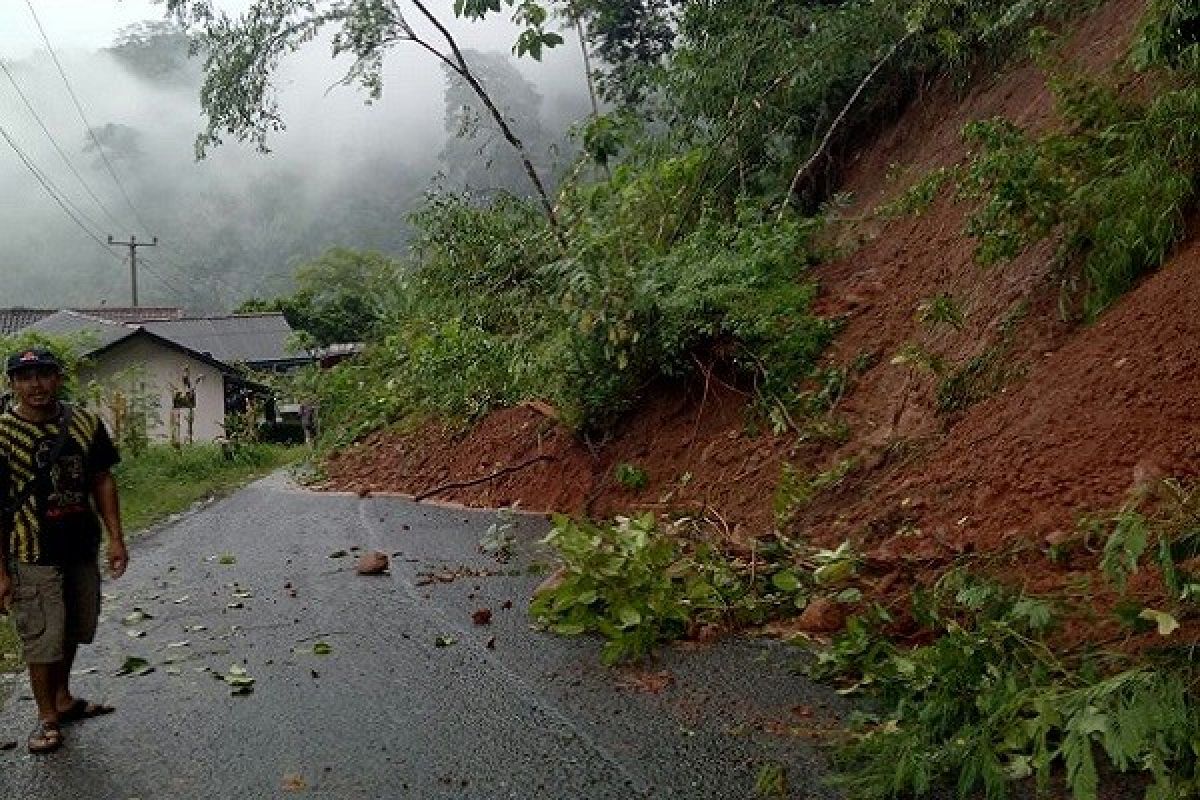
{"x": 103, "y": 335}
{"x": 254, "y": 339}
{"x": 100, "y": 333}
{"x": 134, "y": 314}
{"x": 15, "y": 319}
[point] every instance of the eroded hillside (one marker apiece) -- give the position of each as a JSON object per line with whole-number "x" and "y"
{"x": 1049, "y": 419}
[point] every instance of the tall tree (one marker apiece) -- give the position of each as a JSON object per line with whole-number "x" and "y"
{"x": 630, "y": 38}
{"x": 476, "y": 157}
{"x": 156, "y": 50}
{"x": 243, "y": 53}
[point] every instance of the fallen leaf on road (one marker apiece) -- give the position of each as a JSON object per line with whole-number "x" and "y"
{"x": 135, "y": 666}
{"x": 482, "y": 616}
{"x": 136, "y": 616}
{"x": 226, "y": 558}
{"x": 322, "y": 649}
{"x": 445, "y": 641}
{"x": 293, "y": 783}
{"x": 239, "y": 681}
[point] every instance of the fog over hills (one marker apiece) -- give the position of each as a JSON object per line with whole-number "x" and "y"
{"x": 237, "y": 223}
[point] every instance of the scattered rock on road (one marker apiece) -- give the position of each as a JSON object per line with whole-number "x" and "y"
{"x": 372, "y": 563}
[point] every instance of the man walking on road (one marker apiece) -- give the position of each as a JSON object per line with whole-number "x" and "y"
{"x": 55, "y": 463}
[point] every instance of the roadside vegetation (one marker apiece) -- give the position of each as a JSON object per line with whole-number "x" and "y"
{"x": 163, "y": 480}
{"x": 682, "y": 243}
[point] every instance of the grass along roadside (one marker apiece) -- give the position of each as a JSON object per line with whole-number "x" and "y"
{"x": 162, "y": 481}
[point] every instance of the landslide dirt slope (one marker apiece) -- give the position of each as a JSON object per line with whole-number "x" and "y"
{"x": 1079, "y": 416}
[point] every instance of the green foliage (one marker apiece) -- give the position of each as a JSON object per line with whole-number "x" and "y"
{"x": 761, "y": 83}
{"x": 1114, "y": 187}
{"x": 130, "y": 404}
{"x": 637, "y": 582}
{"x": 796, "y": 491}
{"x": 986, "y": 704}
{"x": 631, "y": 477}
{"x": 1164, "y": 524}
{"x": 335, "y": 296}
{"x": 491, "y": 311}
{"x": 917, "y": 198}
{"x": 979, "y": 378}
{"x": 771, "y": 781}
{"x": 629, "y": 582}
{"x": 941, "y": 309}
{"x": 163, "y": 480}
{"x": 1169, "y": 36}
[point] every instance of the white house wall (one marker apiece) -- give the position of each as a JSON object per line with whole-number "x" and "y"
{"x": 162, "y": 371}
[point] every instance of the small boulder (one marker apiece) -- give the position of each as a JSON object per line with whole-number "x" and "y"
{"x": 372, "y": 563}
{"x": 822, "y": 615}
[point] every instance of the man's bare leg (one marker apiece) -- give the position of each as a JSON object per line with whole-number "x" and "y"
{"x": 61, "y": 679}
{"x": 42, "y": 678}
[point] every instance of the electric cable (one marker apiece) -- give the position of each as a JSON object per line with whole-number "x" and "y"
{"x": 50, "y": 189}
{"x": 28, "y": 105}
{"x": 83, "y": 116}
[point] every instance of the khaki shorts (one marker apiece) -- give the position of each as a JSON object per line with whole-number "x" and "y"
{"x": 54, "y": 607}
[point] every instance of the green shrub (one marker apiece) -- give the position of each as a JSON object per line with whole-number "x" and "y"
{"x": 637, "y": 583}
{"x": 1114, "y": 187}
{"x": 631, "y": 477}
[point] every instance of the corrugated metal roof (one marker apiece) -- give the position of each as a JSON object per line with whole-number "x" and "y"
{"x": 15, "y": 319}
{"x": 255, "y": 339}
{"x": 101, "y": 333}
{"x": 133, "y": 314}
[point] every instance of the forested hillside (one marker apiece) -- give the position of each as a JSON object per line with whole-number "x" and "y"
{"x": 868, "y": 320}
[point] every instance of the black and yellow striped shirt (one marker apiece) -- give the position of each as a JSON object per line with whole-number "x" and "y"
{"x": 56, "y": 524}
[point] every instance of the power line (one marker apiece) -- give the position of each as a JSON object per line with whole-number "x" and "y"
{"x": 82, "y": 116}
{"x": 12, "y": 79}
{"x": 180, "y": 294}
{"x": 50, "y": 189}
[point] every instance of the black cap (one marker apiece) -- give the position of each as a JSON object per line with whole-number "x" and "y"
{"x": 33, "y": 357}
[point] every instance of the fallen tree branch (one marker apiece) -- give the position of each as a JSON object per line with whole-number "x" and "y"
{"x": 820, "y": 151}
{"x": 498, "y": 473}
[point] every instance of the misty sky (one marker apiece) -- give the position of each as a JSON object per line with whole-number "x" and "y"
{"x": 238, "y": 223}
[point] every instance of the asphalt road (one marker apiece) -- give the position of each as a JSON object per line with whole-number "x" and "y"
{"x": 410, "y": 700}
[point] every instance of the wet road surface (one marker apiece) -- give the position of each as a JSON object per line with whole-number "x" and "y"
{"x": 383, "y": 686}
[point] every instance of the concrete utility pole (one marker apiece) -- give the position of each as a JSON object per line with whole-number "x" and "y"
{"x": 133, "y": 244}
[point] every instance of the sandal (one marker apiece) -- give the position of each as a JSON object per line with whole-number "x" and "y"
{"x": 82, "y": 709}
{"x": 46, "y": 738}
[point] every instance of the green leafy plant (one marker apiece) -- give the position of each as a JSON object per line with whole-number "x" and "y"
{"x": 796, "y": 491}
{"x": 941, "y": 309}
{"x": 637, "y": 582}
{"x": 631, "y": 477}
{"x": 1113, "y": 188}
